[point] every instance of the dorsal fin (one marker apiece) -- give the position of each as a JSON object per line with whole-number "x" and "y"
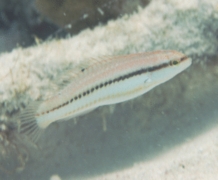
{"x": 71, "y": 73}
{"x": 96, "y": 61}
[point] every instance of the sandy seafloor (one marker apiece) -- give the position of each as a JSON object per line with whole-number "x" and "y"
{"x": 169, "y": 133}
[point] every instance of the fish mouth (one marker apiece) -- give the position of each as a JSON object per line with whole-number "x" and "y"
{"x": 186, "y": 61}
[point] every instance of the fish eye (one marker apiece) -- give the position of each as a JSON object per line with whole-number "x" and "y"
{"x": 174, "y": 62}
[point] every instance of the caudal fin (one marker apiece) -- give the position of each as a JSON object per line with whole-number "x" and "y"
{"x": 28, "y": 123}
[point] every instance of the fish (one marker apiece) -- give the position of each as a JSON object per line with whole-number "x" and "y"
{"x": 104, "y": 81}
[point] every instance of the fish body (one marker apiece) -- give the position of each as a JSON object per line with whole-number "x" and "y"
{"x": 111, "y": 80}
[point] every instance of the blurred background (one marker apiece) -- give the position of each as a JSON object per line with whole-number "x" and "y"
{"x": 24, "y": 22}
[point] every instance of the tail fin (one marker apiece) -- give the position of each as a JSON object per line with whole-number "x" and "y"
{"x": 28, "y": 123}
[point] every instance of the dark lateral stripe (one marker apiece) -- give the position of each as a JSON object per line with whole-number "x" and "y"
{"x": 109, "y": 82}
